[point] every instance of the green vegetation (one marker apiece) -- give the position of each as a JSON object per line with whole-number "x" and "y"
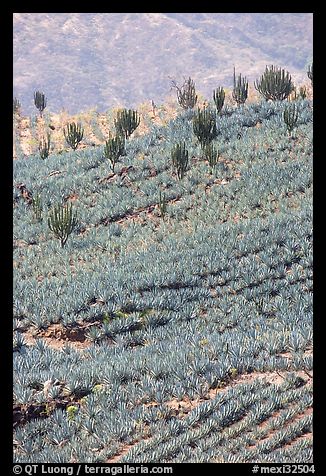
{"x": 126, "y": 122}
{"x": 186, "y": 95}
{"x": 180, "y": 159}
{"x": 74, "y": 134}
{"x": 211, "y": 154}
{"x": 40, "y": 101}
{"x": 37, "y": 207}
{"x": 240, "y": 89}
{"x": 44, "y": 146}
{"x": 204, "y": 126}
{"x": 219, "y": 98}
{"x": 62, "y": 221}
{"x": 275, "y": 84}
{"x": 290, "y": 116}
{"x": 114, "y": 149}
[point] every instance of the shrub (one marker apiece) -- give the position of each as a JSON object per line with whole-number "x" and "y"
{"x": 290, "y": 116}
{"x": 44, "y": 146}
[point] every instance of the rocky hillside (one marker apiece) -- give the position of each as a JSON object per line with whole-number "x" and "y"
{"x": 103, "y": 60}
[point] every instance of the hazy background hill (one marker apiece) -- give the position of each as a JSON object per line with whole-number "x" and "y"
{"x": 86, "y": 60}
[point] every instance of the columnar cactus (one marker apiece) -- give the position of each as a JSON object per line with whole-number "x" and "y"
{"x": 162, "y": 204}
{"x": 44, "y": 146}
{"x": 74, "y": 134}
{"x": 113, "y": 149}
{"x": 40, "y": 101}
{"x": 62, "y": 221}
{"x": 310, "y": 73}
{"x": 186, "y": 95}
{"x": 37, "y": 207}
{"x": 211, "y": 154}
{"x": 290, "y": 116}
{"x": 219, "y": 97}
{"x": 16, "y": 106}
{"x": 274, "y": 84}
{"x": 204, "y": 126}
{"x": 179, "y": 155}
{"x": 126, "y": 122}
{"x": 240, "y": 89}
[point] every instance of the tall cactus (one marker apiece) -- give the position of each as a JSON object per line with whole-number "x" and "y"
{"x": 16, "y": 106}
{"x": 219, "y": 97}
{"x": 186, "y": 95}
{"x": 204, "y": 126}
{"x": 290, "y": 116}
{"x": 37, "y": 207}
{"x": 275, "y": 84}
{"x": 62, "y": 221}
{"x": 113, "y": 149}
{"x": 240, "y": 89}
{"x": 211, "y": 154}
{"x": 310, "y": 73}
{"x": 74, "y": 134}
{"x": 44, "y": 146}
{"x": 162, "y": 204}
{"x": 126, "y": 122}
{"x": 40, "y": 101}
{"x": 180, "y": 159}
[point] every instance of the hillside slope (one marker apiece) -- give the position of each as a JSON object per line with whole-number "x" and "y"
{"x": 83, "y": 60}
{"x": 183, "y": 339}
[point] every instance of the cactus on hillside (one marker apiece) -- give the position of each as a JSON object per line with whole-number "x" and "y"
{"x": 162, "y": 204}
{"x": 40, "y": 101}
{"x": 74, "y": 134}
{"x": 274, "y": 84}
{"x": 211, "y": 154}
{"x": 62, "y": 221}
{"x": 44, "y": 146}
{"x": 290, "y": 116}
{"x": 310, "y": 73}
{"x": 180, "y": 159}
{"x": 219, "y": 97}
{"x": 37, "y": 207}
{"x": 204, "y": 126}
{"x": 16, "y": 106}
{"x": 186, "y": 95}
{"x": 126, "y": 122}
{"x": 240, "y": 89}
{"x": 113, "y": 149}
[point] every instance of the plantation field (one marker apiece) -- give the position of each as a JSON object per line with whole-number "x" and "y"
{"x": 185, "y": 337}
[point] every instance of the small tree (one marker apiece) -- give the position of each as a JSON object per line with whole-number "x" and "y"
{"x": 290, "y": 116}
{"x": 240, "y": 89}
{"x": 74, "y": 134}
{"x": 113, "y": 149}
{"x": 40, "y": 101}
{"x": 62, "y": 221}
{"x": 204, "y": 126}
{"x": 274, "y": 84}
{"x": 219, "y": 97}
{"x": 186, "y": 95}
{"x": 44, "y": 146}
{"x": 310, "y": 73}
{"x": 180, "y": 159}
{"x": 126, "y": 122}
